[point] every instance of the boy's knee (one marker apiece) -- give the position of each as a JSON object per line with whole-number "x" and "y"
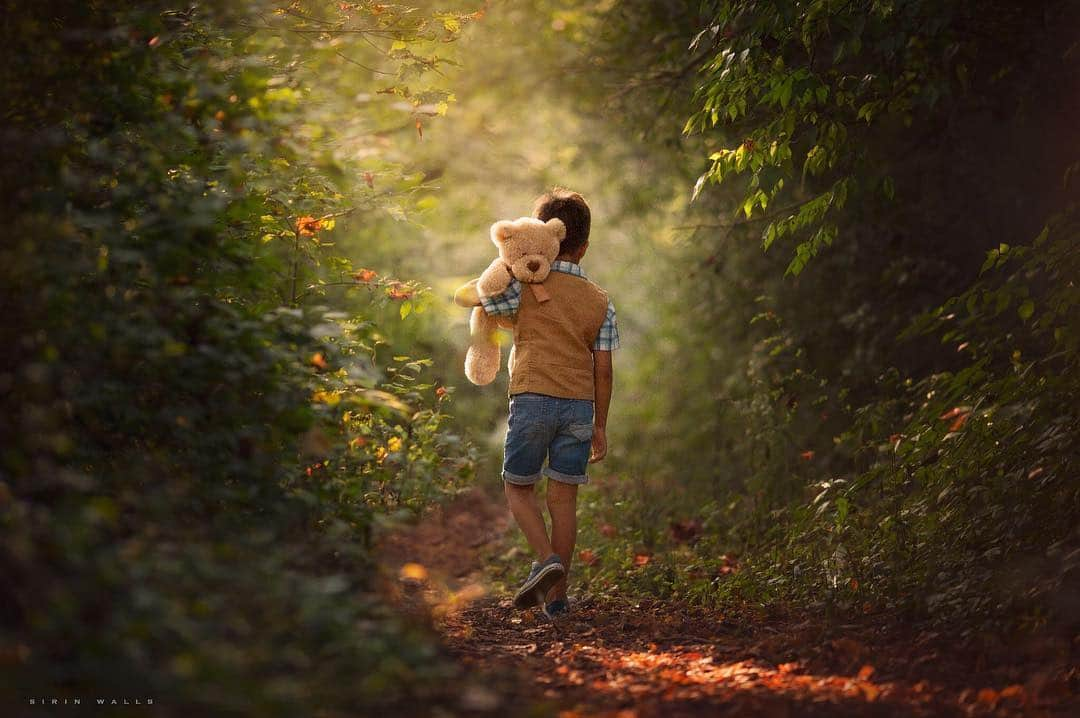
{"x": 518, "y": 489}
{"x": 559, "y": 493}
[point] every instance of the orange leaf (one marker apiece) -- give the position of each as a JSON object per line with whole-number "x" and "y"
{"x": 953, "y": 412}
{"x": 419, "y": 128}
{"x": 154, "y": 41}
{"x": 413, "y": 572}
{"x": 865, "y": 672}
{"x": 364, "y": 275}
{"x": 807, "y": 455}
{"x": 441, "y": 392}
{"x": 308, "y": 226}
{"x": 318, "y": 361}
{"x": 958, "y": 422}
{"x": 587, "y": 557}
{"x": 642, "y": 559}
{"x": 1014, "y": 691}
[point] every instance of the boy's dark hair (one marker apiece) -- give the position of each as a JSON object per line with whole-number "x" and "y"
{"x": 571, "y": 208}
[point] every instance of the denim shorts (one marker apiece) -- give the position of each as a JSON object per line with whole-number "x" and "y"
{"x": 547, "y": 427}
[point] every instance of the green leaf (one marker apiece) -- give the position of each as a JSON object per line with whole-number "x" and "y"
{"x": 1026, "y": 309}
{"x": 406, "y": 309}
{"x": 769, "y": 235}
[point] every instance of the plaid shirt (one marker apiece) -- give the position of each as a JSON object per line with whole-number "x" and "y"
{"x": 607, "y": 339}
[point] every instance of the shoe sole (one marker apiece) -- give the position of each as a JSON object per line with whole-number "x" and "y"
{"x": 534, "y": 592}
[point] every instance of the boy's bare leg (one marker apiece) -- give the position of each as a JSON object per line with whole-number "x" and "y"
{"x": 562, "y": 505}
{"x": 522, "y": 501}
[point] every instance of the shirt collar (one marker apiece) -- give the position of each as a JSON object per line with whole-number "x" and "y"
{"x": 561, "y": 265}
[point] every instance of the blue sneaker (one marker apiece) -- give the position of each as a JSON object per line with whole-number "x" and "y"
{"x": 557, "y": 608}
{"x": 541, "y": 578}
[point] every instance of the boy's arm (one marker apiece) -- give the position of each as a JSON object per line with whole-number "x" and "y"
{"x": 602, "y": 379}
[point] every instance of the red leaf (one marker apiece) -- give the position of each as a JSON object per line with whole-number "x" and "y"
{"x": 807, "y": 455}
{"x": 398, "y": 292}
{"x": 686, "y": 530}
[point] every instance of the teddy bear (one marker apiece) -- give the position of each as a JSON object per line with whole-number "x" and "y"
{"x": 527, "y": 247}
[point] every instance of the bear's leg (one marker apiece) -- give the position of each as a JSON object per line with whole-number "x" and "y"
{"x": 484, "y": 356}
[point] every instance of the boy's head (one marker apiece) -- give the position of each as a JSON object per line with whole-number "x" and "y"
{"x": 571, "y": 208}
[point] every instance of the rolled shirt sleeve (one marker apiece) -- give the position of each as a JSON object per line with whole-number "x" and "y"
{"x": 607, "y": 339}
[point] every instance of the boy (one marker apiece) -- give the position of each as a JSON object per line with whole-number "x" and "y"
{"x": 560, "y": 389}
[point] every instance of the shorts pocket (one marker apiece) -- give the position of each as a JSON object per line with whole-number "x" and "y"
{"x": 580, "y": 431}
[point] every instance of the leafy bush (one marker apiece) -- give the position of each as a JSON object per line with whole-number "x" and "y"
{"x": 196, "y": 442}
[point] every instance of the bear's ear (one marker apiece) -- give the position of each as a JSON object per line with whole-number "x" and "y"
{"x": 557, "y": 227}
{"x": 502, "y": 231}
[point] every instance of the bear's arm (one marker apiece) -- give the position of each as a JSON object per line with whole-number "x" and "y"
{"x": 495, "y": 279}
{"x": 466, "y": 295}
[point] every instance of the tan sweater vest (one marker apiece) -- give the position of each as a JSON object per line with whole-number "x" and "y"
{"x": 553, "y": 340}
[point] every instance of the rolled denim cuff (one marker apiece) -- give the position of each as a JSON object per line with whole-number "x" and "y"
{"x": 566, "y": 478}
{"x": 521, "y": 480}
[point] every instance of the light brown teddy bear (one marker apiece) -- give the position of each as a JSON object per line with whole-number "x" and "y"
{"x": 527, "y": 247}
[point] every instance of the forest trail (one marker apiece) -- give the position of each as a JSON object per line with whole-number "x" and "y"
{"x": 654, "y": 658}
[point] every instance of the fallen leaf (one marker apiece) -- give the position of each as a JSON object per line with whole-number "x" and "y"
{"x": 1013, "y": 691}
{"x": 413, "y": 572}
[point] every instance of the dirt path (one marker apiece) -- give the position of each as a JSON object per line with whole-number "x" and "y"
{"x": 651, "y": 658}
